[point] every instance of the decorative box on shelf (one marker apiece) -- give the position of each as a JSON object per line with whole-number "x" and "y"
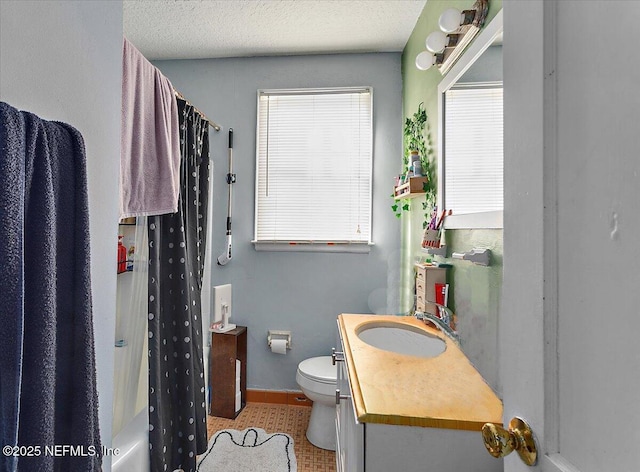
{"x": 413, "y": 188}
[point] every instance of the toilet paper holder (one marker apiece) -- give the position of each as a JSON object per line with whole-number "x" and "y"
{"x": 276, "y": 334}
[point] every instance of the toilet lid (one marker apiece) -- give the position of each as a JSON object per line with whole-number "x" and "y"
{"x": 319, "y": 369}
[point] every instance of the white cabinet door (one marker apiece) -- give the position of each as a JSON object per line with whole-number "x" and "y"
{"x": 570, "y": 362}
{"x": 350, "y": 434}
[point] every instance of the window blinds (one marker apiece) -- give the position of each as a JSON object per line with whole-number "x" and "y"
{"x": 314, "y": 163}
{"x": 473, "y": 149}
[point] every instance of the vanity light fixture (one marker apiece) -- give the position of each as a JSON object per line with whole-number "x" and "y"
{"x": 458, "y": 28}
{"x": 452, "y": 18}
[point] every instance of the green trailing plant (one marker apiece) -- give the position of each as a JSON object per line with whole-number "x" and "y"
{"x": 417, "y": 137}
{"x": 398, "y": 207}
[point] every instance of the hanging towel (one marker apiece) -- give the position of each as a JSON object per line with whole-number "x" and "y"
{"x": 150, "y": 146}
{"x": 11, "y": 277}
{"x": 45, "y": 296}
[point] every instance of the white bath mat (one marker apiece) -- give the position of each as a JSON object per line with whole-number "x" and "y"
{"x": 251, "y": 450}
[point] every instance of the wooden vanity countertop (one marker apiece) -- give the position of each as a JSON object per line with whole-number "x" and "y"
{"x": 445, "y": 391}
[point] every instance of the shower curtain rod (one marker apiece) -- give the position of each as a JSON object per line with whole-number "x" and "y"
{"x": 212, "y": 123}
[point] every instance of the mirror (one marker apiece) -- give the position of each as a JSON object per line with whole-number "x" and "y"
{"x": 470, "y": 134}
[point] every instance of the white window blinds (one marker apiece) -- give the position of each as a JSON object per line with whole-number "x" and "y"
{"x": 473, "y": 144}
{"x": 314, "y": 162}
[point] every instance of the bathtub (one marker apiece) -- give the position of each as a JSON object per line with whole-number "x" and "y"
{"x": 133, "y": 445}
{"x": 131, "y": 362}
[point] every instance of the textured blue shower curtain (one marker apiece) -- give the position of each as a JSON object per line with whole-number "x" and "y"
{"x": 177, "y": 411}
{"x": 48, "y": 392}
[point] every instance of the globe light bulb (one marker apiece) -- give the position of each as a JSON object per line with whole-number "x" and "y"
{"x": 424, "y": 60}
{"x": 450, "y": 20}
{"x": 436, "y": 42}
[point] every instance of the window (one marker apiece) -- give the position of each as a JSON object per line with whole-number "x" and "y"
{"x": 313, "y": 169}
{"x": 473, "y": 143}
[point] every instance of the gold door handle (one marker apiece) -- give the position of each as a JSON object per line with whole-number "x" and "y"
{"x": 500, "y": 442}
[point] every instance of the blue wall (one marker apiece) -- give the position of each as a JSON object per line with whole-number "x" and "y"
{"x": 301, "y": 292}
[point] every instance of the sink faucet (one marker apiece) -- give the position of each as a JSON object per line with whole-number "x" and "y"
{"x": 442, "y": 322}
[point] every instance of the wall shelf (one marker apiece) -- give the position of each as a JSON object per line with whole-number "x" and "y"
{"x": 411, "y": 189}
{"x": 436, "y": 251}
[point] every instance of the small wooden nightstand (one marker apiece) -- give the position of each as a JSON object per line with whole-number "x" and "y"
{"x": 225, "y": 349}
{"x": 426, "y": 279}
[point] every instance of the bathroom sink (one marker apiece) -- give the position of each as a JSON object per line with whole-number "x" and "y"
{"x": 401, "y": 339}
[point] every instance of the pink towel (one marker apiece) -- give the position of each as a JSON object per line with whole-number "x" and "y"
{"x": 150, "y": 146}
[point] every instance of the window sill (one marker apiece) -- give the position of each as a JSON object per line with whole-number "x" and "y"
{"x": 313, "y": 246}
{"x": 484, "y": 220}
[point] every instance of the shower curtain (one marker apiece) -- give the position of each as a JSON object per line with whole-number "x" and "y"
{"x": 130, "y": 380}
{"x": 177, "y": 409}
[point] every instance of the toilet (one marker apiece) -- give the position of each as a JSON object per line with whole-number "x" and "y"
{"x": 317, "y": 380}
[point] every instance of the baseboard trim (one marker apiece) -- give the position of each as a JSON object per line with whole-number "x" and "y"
{"x": 278, "y": 396}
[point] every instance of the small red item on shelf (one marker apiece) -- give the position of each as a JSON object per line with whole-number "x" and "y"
{"x": 122, "y": 256}
{"x": 442, "y": 294}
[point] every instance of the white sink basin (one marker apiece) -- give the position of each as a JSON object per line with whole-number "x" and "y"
{"x": 402, "y": 339}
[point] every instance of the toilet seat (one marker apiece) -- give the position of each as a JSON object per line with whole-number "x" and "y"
{"x": 318, "y": 369}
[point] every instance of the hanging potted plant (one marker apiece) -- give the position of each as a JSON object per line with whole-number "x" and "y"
{"x": 418, "y": 146}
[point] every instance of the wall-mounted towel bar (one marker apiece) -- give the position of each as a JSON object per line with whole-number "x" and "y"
{"x": 477, "y": 256}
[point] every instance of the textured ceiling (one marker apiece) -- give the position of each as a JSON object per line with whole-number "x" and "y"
{"x": 176, "y": 29}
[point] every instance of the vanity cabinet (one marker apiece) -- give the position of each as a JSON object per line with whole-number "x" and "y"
{"x": 384, "y": 439}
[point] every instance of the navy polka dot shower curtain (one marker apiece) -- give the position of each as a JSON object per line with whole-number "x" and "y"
{"x": 177, "y": 409}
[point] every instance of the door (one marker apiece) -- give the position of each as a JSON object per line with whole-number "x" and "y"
{"x": 570, "y": 317}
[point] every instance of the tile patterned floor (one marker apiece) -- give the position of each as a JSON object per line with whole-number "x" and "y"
{"x": 275, "y": 418}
